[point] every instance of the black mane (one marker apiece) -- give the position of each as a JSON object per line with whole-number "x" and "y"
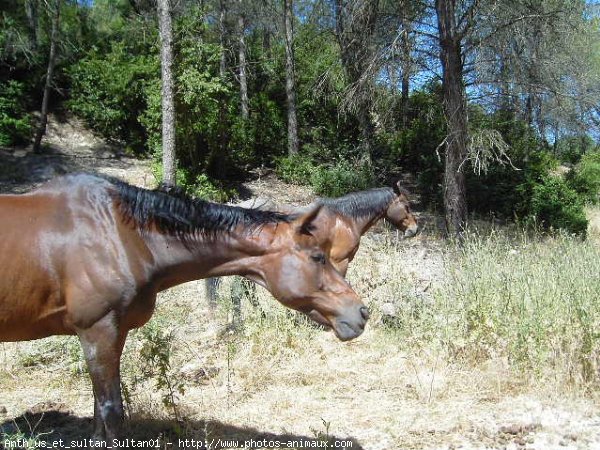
{"x": 174, "y": 212}
{"x": 361, "y": 204}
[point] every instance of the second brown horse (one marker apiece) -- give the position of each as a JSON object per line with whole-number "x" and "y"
{"x": 343, "y": 221}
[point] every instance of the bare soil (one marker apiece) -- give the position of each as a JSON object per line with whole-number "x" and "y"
{"x": 68, "y": 147}
{"x": 300, "y": 384}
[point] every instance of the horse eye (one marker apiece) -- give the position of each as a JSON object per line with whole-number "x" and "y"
{"x": 320, "y": 258}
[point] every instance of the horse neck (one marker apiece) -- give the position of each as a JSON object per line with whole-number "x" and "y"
{"x": 364, "y": 223}
{"x": 178, "y": 260}
{"x": 362, "y": 209}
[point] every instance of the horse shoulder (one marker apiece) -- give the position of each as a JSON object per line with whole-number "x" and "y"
{"x": 345, "y": 239}
{"x": 109, "y": 265}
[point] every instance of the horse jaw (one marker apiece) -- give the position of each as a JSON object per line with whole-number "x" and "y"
{"x": 319, "y": 318}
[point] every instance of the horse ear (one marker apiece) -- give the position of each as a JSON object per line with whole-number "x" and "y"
{"x": 399, "y": 190}
{"x": 304, "y": 223}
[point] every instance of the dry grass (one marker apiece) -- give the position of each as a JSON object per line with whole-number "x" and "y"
{"x": 442, "y": 371}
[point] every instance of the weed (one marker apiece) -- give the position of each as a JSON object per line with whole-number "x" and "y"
{"x": 155, "y": 362}
{"x": 324, "y": 435}
{"x": 13, "y": 437}
{"x": 61, "y": 350}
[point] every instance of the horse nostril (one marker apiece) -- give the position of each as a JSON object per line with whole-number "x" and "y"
{"x": 364, "y": 312}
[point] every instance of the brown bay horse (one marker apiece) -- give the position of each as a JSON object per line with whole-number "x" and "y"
{"x": 86, "y": 256}
{"x": 345, "y": 220}
{"x": 349, "y": 217}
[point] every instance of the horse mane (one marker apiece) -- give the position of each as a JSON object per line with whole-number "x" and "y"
{"x": 174, "y": 212}
{"x": 362, "y": 203}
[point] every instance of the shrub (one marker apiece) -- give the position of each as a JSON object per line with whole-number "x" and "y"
{"x": 571, "y": 148}
{"x": 203, "y": 187}
{"x": 342, "y": 178}
{"x": 506, "y": 189}
{"x": 15, "y": 123}
{"x": 157, "y": 362}
{"x": 258, "y": 140}
{"x": 200, "y": 185}
{"x": 109, "y": 92}
{"x": 585, "y": 177}
{"x": 555, "y": 205}
{"x": 296, "y": 168}
{"x": 415, "y": 147}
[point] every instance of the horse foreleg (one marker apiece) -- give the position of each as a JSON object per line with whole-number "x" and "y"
{"x": 240, "y": 288}
{"x": 102, "y": 346}
{"x": 210, "y": 286}
{"x": 237, "y": 292}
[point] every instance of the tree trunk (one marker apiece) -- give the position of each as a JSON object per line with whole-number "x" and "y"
{"x": 406, "y": 70}
{"x": 404, "y": 97}
{"x": 83, "y": 31}
{"x": 528, "y": 115}
{"x": 216, "y": 163}
{"x": 506, "y": 96}
{"x": 223, "y": 38}
{"x": 266, "y": 43}
{"x": 244, "y": 109}
{"x": 168, "y": 99}
{"x": 455, "y": 112}
{"x": 355, "y": 27}
{"x": 31, "y": 11}
{"x": 49, "y": 74}
{"x": 290, "y": 80}
{"x": 367, "y": 129}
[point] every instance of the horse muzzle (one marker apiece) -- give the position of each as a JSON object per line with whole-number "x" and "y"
{"x": 346, "y": 326}
{"x": 411, "y": 231}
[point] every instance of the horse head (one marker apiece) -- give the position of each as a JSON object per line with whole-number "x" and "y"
{"x": 399, "y": 214}
{"x": 297, "y": 271}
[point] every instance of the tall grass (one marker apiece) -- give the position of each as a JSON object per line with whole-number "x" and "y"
{"x": 533, "y": 301}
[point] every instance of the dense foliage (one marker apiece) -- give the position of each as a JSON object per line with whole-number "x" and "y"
{"x": 15, "y": 123}
{"x": 111, "y": 90}
{"x": 108, "y": 73}
{"x": 585, "y": 177}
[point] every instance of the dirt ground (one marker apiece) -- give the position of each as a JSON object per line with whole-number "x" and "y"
{"x": 373, "y": 393}
{"x": 68, "y": 147}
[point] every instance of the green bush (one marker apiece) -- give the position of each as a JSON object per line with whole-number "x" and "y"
{"x": 341, "y": 178}
{"x": 506, "y": 189}
{"x": 200, "y": 185}
{"x": 199, "y": 92}
{"x": 295, "y": 169}
{"x": 203, "y": 187}
{"x": 261, "y": 138}
{"x": 555, "y": 205}
{"x": 416, "y": 146}
{"x": 328, "y": 180}
{"x": 15, "y": 123}
{"x": 204, "y": 131}
{"x": 571, "y": 148}
{"x": 585, "y": 177}
{"x": 110, "y": 93}
{"x": 526, "y": 188}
